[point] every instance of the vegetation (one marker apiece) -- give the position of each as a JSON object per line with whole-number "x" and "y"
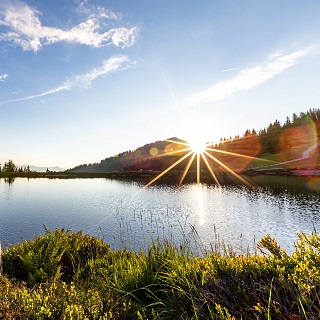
{"x": 279, "y": 142}
{"x": 65, "y": 275}
{"x": 10, "y": 167}
{"x": 144, "y": 158}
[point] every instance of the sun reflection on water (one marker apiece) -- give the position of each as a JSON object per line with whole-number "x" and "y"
{"x": 200, "y": 198}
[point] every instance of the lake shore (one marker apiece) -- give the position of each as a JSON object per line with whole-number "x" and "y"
{"x": 152, "y": 174}
{"x": 65, "y": 275}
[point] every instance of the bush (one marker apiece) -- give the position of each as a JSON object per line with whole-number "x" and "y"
{"x": 65, "y": 275}
{"x": 58, "y": 254}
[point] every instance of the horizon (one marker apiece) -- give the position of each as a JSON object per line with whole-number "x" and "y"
{"x": 82, "y": 81}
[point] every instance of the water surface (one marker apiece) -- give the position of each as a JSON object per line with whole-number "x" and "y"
{"x": 127, "y": 215}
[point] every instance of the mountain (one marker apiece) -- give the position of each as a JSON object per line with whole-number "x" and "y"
{"x": 154, "y": 156}
{"x": 41, "y": 169}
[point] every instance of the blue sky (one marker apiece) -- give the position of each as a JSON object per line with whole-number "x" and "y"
{"x": 84, "y": 80}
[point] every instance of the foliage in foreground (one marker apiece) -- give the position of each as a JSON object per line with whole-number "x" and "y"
{"x": 65, "y": 275}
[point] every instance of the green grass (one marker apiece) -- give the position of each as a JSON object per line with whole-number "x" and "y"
{"x": 287, "y": 155}
{"x": 66, "y": 275}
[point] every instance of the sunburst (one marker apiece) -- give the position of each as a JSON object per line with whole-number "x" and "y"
{"x": 201, "y": 152}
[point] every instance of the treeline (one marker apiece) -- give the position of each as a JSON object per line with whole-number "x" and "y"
{"x": 158, "y": 156}
{"x": 10, "y": 167}
{"x": 277, "y": 137}
{"x": 300, "y": 129}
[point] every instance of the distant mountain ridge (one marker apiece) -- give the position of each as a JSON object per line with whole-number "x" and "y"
{"x": 41, "y": 169}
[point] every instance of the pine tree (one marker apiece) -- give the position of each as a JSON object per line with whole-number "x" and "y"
{"x": 9, "y": 167}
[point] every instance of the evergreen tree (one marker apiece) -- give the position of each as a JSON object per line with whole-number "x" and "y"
{"x": 288, "y": 122}
{"x": 294, "y": 118}
{"x": 9, "y": 167}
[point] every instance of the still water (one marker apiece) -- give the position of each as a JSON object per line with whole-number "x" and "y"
{"x": 127, "y": 215}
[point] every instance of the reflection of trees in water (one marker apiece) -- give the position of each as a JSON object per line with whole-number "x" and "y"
{"x": 9, "y": 180}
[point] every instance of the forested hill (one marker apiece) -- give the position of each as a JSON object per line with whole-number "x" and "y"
{"x": 152, "y": 156}
{"x": 285, "y": 141}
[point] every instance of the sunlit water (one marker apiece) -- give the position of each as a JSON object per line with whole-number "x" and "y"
{"x": 127, "y": 215}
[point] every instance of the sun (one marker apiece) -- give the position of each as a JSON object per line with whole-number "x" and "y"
{"x": 197, "y": 146}
{"x": 201, "y": 152}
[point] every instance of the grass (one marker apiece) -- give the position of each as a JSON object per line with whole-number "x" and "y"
{"x": 313, "y": 162}
{"x": 67, "y": 275}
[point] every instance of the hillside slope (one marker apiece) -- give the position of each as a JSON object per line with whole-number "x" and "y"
{"x": 293, "y": 145}
{"x": 153, "y": 156}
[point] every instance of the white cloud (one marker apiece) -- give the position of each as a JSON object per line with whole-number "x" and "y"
{"x": 113, "y": 64}
{"x": 51, "y": 91}
{"x": 3, "y": 77}
{"x": 97, "y": 11}
{"x": 228, "y": 70}
{"x": 26, "y": 30}
{"x": 249, "y": 78}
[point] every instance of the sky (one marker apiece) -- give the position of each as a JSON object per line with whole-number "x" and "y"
{"x": 83, "y": 80}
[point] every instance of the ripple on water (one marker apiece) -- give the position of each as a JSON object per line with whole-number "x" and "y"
{"x": 126, "y": 214}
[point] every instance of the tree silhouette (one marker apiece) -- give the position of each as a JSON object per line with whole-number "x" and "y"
{"x": 9, "y": 167}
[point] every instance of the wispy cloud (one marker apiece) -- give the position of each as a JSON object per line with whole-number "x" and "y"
{"x": 113, "y": 64}
{"x": 26, "y": 30}
{"x": 249, "y": 78}
{"x": 3, "y": 77}
{"x": 228, "y": 70}
{"x": 94, "y": 11}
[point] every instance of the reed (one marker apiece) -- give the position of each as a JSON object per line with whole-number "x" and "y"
{"x": 70, "y": 275}
{"x": 1, "y": 271}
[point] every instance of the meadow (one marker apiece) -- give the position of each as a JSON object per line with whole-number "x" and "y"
{"x": 71, "y": 275}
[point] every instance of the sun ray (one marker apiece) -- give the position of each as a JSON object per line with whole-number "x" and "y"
{"x": 168, "y": 169}
{"x": 179, "y": 142}
{"x": 228, "y": 169}
{"x": 238, "y": 155}
{"x": 201, "y": 153}
{"x": 210, "y": 169}
{"x": 187, "y": 169}
{"x": 169, "y": 153}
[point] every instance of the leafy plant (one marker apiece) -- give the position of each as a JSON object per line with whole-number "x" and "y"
{"x": 66, "y": 275}
{"x": 58, "y": 254}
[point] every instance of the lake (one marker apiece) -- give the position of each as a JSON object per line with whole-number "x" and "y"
{"x": 127, "y": 215}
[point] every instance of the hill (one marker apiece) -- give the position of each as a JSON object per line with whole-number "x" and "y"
{"x": 292, "y": 145}
{"x": 154, "y": 156}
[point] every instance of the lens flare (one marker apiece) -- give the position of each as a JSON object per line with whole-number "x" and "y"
{"x": 200, "y": 152}
{"x": 197, "y": 146}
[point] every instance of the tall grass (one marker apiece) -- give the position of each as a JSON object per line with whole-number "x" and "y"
{"x": 66, "y": 275}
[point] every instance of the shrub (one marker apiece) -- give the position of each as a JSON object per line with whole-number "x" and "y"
{"x": 58, "y": 254}
{"x": 74, "y": 276}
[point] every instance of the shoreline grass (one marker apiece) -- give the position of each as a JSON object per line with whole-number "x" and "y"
{"x": 70, "y": 275}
